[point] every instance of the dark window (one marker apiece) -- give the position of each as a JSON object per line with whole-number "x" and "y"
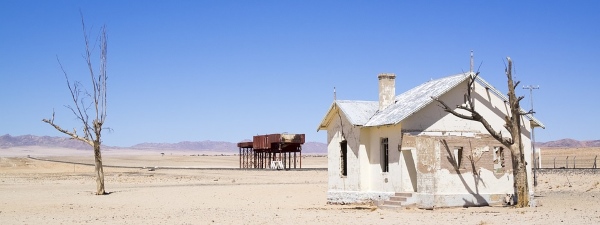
{"x": 385, "y": 167}
{"x": 458, "y": 153}
{"x": 344, "y": 157}
{"x": 498, "y": 159}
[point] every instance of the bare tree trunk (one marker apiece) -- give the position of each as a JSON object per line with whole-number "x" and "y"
{"x": 98, "y": 169}
{"x": 520, "y": 175}
{"x": 513, "y": 123}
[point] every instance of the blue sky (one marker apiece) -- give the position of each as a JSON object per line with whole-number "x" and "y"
{"x": 228, "y": 70}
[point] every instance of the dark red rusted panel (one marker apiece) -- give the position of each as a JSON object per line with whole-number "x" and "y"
{"x": 274, "y": 138}
{"x": 261, "y": 142}
{"x": 244, "y": 144}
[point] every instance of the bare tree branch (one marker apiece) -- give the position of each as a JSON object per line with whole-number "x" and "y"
{"x": 530, "y": 112}
{"x": 72, "y": 134}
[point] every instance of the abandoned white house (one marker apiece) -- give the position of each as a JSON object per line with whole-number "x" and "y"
{"x": 408, "y": 144}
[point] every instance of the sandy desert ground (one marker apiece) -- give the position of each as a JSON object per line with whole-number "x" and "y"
{"x": 42, "y": 192}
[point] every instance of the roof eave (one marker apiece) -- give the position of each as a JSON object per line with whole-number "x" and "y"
{"x": 536, "y": 123}
{"x": 322, "y": 125}
{"x": 380, "y": 125}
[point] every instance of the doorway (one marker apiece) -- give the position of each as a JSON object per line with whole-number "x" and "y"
{"x": 410, "y": 168}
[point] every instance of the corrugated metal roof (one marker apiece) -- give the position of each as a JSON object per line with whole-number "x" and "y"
{"x": 366, "y": 113}
{"x": 358, "y": 112}
{"x": 415, "y": 99}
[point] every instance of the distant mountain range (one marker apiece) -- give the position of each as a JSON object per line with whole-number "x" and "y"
{"x": 7, "y": 141}
{"x": 568, "y": 143}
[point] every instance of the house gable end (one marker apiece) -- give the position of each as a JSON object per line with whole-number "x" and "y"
{"x": 357, "y": 112}
{"x": 327, "y": 119}
{"x": 487, "y": 100}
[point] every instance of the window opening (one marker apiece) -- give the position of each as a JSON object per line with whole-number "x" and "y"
{"x": 458, "y": 152}
{"x": 385, "y": 155}
{"x": 498, "y": 159}
{"x": 344, "y": 157}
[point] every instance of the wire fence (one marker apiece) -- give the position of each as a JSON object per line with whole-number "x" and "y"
{"x": 570, "y": 162}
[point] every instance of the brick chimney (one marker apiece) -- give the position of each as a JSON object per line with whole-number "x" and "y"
{"x": 387, "y": 89}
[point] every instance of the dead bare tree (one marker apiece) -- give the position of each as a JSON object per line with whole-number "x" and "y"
{"x": 512, "y": 125}
{"x": 91, "y": 114}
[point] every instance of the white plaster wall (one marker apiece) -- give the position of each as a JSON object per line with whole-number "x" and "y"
{"x": 364, "y": 164}
{"x": 486, "y": 183}
{"x": 482, "y": 181}
{"x": 334, "y": 136}
{"x": 373, "y": 146}
{"x": 441, "y": 187}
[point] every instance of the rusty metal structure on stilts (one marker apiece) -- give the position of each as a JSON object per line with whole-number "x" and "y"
{"x": 270, "y": 151}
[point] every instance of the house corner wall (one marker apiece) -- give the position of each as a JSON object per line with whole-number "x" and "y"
{"x": 345, "y": 189}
